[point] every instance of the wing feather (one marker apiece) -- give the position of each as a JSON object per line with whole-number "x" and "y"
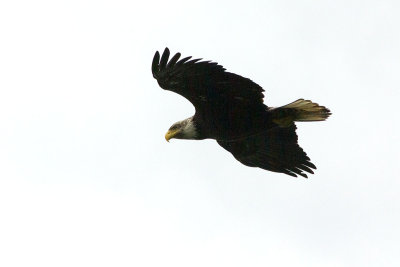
{"x": 164, "y": 59}
{"x": 173, "y": 60}
{"x": 155, "y": 65}
{"x": 205, "y": 81}
{"x": 275, "y": 150}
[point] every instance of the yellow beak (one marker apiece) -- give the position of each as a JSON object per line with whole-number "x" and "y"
{"x": 170, "y": 134}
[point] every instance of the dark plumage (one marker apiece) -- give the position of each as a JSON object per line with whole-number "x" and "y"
{"x": 230, "y": 109}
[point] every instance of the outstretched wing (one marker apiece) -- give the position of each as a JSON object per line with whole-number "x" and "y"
{"x": 205, "y": 81}
{"x": 274, "y": 150}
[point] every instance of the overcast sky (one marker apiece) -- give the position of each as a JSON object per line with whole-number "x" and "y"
{"x": 87, "y": 178}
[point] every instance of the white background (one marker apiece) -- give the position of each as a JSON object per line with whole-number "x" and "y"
{"x": 87, "y": 179}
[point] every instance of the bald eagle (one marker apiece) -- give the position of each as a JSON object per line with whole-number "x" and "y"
{"x": 230, "y": 109}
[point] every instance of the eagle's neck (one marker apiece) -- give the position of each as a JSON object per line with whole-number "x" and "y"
{"x": 189, "y": 129}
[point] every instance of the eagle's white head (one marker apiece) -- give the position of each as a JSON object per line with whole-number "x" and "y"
{"x": 184, "y": 129}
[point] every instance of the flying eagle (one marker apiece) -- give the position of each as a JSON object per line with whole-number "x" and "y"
{"x": 230, "y": 109}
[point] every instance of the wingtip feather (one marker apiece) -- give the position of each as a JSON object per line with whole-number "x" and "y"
{"x": 164, "y": 58}
{"x": 173, "y": 60}
{"x": 155, "y": 63}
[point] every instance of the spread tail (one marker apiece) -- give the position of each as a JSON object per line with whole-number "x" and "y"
{"x": 299, "y": 110}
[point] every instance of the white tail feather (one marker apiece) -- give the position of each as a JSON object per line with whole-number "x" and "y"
{"x": 305, "y": 110}
{"x": 299, "y": 110}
